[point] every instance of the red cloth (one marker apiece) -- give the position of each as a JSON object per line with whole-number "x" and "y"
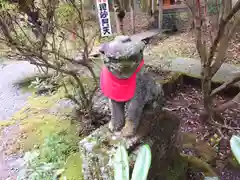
{"x": 118, "y": 89}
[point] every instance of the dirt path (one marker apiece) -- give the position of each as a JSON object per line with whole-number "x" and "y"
{"x": 11, "y": 101}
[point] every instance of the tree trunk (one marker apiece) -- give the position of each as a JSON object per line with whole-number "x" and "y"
{"x": 213, "y": 57}
{"x": 149, "y": 6}
{"x": 137, "y": 8}
{"x": 153, "y": 5}
{"x": 119, "y": 16}
{"x": 207, "y": 99}
{"x": 131, "y": 6}
{"x": 226, "y": 6}
{"x": 144, "y": 4}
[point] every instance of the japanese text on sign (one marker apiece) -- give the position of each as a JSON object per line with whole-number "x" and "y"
{"x": 104, "y": 17}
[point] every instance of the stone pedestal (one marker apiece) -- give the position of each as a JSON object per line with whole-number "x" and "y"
{"x": 159, "y": 129}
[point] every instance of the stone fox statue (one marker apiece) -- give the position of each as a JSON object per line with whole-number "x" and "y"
{"x": 126, "y": 85}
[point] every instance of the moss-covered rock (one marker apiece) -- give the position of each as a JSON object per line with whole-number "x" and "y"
{"x": 158, "y": 128}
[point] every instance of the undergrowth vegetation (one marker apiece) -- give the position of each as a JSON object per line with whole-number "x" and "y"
{"x": 48, "y": 140}
{"x": 49, "y": 160}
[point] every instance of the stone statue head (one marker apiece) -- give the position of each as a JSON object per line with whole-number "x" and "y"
{"x": 122, "y": 56}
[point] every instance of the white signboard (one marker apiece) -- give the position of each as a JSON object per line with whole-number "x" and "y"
{"x": 104, "y": 17}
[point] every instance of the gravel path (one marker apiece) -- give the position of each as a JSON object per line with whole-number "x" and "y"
{"x": 11, "y": 101}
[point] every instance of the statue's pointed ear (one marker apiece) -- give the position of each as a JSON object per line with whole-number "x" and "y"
{"x": 102, "y": 48}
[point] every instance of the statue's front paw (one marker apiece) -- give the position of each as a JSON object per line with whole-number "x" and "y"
{"x": 111, "y": 126}
{"x": 129, "y": 129}
{"x": 114, "y": 126}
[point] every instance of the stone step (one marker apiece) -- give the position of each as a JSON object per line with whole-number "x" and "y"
{"x": 192, "y": 67}
{"x": 146, "y": 34}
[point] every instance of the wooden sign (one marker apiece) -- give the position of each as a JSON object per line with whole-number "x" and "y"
{"x": 104, "y": 17}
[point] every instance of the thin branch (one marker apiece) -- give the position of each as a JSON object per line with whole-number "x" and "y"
{"x": 201, "y": 44}
{"x": 214, "y": 123}
{"x": 226, "y": 85}
{"x": 91, "y": 41}
{"x": 208, "y": 23}
{"x": 230, "y": 104}
{"x": 49, "y": 65}
{"x": 201, "y": 47}
{"x": 69, "y": 96}
{"x": 197, "y": 162}
{"x": 223, "y": 45}
{"x": 5, "y": 31}
{"x": 221, "y": 29}
{"x": 40, "y": 55}
{"x": 30, "y": 41}
{"x": 192, "y": 11}
{"x": 81, "y": 20}
{"x": 80, "y": 85}
{"x": 72, "y": 73}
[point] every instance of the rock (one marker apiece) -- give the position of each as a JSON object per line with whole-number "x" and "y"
{"x": 159, "y": 129}
{"x": 100, "y": 104}
{"x": 146, "y": 35}
{"x": 192, "y": 68}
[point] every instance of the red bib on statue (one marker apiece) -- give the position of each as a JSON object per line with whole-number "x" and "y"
{"x": 118, "y": 89}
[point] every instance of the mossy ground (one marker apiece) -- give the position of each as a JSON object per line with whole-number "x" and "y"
{"x": 6, "y": 123}
{"x": 36, "y": 125}
{"x": 73, "y": 167}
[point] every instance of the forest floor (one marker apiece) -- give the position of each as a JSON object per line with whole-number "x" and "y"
{"x": 178, "y": 44}
{"x": 183, "y": 45}
{"x": 186, "y": 103}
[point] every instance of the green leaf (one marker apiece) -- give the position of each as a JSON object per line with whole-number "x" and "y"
{"x": 211, "y": 178}
{"x": 142, "y": 164}
{"x": 121, "y": 166}
{"x": 235, "y": 147}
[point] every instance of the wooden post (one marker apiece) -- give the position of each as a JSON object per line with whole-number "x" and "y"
{"x": 136, "y": 6}
{"x": 166, "y": 2}
{"x": 160, "y": 15}
{"x": 153, "y": 6}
